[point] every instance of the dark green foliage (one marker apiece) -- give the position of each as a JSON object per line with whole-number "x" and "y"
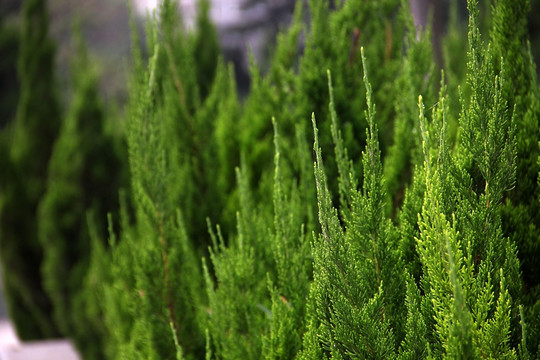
{"x": 521, "y": 211}
{"x": 205, "y": 49}
{"x": 416, "y": 238}
{"x": 189, "y": 124}
{"x": 9, "y": 88}
{"x": 268, "y": 95}
{"x": 84, "y": 177}
{"x": 416, "y": 77}
{"x": 29, "y": 144}
{"x": 162, "y": 298}
{"x": 155, "y": 289}
{"x": 334, "y": 43}
{"x": 356, "y": 290}
{"x": 262, "y": 275}
{"x": 455, "y": 69}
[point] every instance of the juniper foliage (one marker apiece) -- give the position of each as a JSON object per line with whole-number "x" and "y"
{"x": 403, "y": 235}
{"x": 353, "y": 310}
{"x": 267, "y": 266}
{"x": 412, "y": 255}
{"x": 520, "y": 209}
{"x": 156, "y": 278}
{"x": 84, "y": 176}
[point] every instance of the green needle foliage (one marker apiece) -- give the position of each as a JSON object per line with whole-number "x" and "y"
{"x": 84, "y": 176}
{"x": 415, "y": 77}
{"x": 262, "y": 275}
{"x": 357, "y": 308}
{"x": 155, "y": 289}
{"x": 520, "y": 211}
{"x": 409, "y": 230}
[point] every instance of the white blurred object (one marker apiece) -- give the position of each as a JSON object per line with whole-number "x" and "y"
{"x": 142, "y": 6}
{"x": 223, "y": 12}
{"x": 12, "y": 349}
{"x": 243, "y": 26}
{"x": 8, "y": 337}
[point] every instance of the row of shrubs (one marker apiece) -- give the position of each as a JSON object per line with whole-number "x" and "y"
{"x": 364, "y": 200}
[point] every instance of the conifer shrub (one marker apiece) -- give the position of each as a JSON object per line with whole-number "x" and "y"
{"x": 414, "y": 254}
{"x": 84, "y": 177}
{"x": 408, "y": 230}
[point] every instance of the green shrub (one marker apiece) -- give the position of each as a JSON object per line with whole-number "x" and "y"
{"x": 412, "y": 255}
{"x": 85, "y": 174}
{"x": 410, "y": 232}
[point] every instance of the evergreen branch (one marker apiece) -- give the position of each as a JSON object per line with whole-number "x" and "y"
{"x": 347, "y": 177}
{"x": 179, "y": 352}
{"x": 523, "y": 350}
{"x": 424, "y": 133}
{"x": 278, "y": 191}
{"x": 332, "y": 233}
{"x": 185, "y": 109}
{"x": 373, "y": 182}
{"x": 168, "y": 286}
{"x": 179, "y": 87}
{"x": 460, "y": 342}
{"x": 136, "y": 53}
{"x": 475, "y": 43}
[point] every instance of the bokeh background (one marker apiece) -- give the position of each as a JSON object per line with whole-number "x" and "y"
{"x": 244, "y": 25}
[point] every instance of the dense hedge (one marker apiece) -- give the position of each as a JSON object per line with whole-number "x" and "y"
{"x": 409, "y": 229}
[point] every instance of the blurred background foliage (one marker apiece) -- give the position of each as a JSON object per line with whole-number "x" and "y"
{"x": 242, "y": 24}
